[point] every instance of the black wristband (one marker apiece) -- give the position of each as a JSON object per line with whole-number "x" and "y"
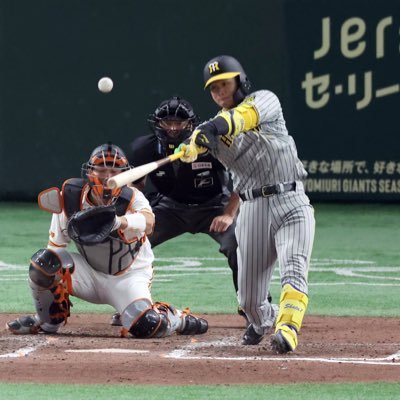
{"x": 221, "y": 126}
{"x": 216, "y": 127}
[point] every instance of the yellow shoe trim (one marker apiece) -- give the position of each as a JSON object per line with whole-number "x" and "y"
{"x": 290, "y": 336}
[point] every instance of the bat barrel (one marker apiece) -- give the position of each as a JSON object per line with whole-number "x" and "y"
{"x": 131, "y": 175}
{"x": 134, "y": 174}
{"x": 112, "y": 183}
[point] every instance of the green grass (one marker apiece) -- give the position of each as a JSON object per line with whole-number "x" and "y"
{"x": 365, "y": 235}
{"x": 366, "y": 231}
{"x": 367, "y": 284}
{"x": 233, "y": 392}
{"x": 24, "y": 230}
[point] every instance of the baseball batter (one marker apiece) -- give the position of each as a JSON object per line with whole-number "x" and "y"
{"x": 276, "y": 221}
{"x": 188, "y": 197}
{"x": 114, "y": 260}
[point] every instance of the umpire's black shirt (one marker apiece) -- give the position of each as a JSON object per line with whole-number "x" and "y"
{"x": 189, "y": 183}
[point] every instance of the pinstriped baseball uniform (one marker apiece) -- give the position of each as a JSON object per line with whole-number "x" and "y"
{"x": 269, "y": 229}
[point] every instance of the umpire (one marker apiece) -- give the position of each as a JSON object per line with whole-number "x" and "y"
{"x": 190, "y": 197}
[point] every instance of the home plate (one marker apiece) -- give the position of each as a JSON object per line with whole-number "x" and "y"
{"x": 115, "y": 351}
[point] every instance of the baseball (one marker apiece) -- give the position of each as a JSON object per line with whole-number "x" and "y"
{"x": 105, "y": 85}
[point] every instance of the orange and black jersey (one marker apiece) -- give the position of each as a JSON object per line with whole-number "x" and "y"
{"x": 193, "y": 183}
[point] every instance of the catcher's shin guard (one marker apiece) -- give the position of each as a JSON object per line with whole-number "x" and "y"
{"x": 150, "y": 324}
{"x": 143, "y": 320}
{"x": 50, "y": 282}
{"x": 192, "y": 325}
{"x": 292, "y": 307}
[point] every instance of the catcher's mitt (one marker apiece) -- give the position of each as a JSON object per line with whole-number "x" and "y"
{"x": 92, "y": 226}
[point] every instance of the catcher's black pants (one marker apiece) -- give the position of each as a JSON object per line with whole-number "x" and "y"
{"x": 174, "y": 219}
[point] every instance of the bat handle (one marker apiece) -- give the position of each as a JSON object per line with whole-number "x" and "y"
{"x": 171, "y": 158}
{"x": 176, "y": 156}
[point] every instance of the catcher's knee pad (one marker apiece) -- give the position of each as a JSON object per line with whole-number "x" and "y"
{"x": 48, "y": 265}
{"x": 50, "y": 281}
{"x": 292, "y": 307}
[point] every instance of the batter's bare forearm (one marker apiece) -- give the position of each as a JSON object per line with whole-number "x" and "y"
{"x": 232, "y": 207}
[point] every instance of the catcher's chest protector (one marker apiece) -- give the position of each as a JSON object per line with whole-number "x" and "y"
{"x": 113, "y": 255}
{"x": 72, "y": 194}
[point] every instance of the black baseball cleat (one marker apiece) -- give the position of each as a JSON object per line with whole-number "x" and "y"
{"x": 194, "y": 325}
{"x": 284, "y": 339}
{"x": 251, "y": 337}
{"x": 116, "y": 319}
{"x": 27, "y": 325}
{"x": 279, "y": 344}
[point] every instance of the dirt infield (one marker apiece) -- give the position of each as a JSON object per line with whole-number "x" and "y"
{"x": 89, "y": 350}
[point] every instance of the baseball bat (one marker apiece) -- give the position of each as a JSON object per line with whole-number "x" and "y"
{"x": 136, "y": 173}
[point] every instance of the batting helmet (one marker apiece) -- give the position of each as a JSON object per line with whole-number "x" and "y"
{"x": 105, "y": 161}
{"x": 227, "y": 67}
{"x": 172, "y": 122}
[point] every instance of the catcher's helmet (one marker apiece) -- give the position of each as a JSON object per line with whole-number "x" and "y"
{"x": 172, "y": 122}
{"x": 227, "y": 67}
{"x": 105, "y": 161}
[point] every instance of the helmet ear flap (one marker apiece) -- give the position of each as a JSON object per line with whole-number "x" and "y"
{"x": 245, "y": 85}
{"x": 243, "y": 89}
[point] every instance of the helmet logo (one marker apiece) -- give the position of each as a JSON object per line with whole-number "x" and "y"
{"x": 213, "y": 67}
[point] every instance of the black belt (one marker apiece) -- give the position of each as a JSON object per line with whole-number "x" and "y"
{"x": 268, "y": 190}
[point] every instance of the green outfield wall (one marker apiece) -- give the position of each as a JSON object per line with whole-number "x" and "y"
{"x": 334, "y": 65}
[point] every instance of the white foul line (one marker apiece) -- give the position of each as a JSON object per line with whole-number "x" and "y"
{"x": 115, "y": 351}
{"x": 306, "y": 359}
{"x": 184, "y": 354}
{"x": 24, "y": 351}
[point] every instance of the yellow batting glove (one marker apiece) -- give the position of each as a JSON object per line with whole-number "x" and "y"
{"x": 181, "y": 147}
{"x": 197, "y": 136}
{"x": 190, "y": 154}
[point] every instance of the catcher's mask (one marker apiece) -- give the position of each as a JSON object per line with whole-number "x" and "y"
{"x": 172, "y": 122}
{"x": 227, "y": 67}
{"x": 105, "y": 161}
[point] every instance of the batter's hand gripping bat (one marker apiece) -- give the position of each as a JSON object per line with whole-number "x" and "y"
{"x": 134, "y": 174}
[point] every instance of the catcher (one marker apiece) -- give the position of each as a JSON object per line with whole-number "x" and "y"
{"x": 114, "y": 260}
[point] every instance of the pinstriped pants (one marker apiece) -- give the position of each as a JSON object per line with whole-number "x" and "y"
{"x": 276, "y": 228}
